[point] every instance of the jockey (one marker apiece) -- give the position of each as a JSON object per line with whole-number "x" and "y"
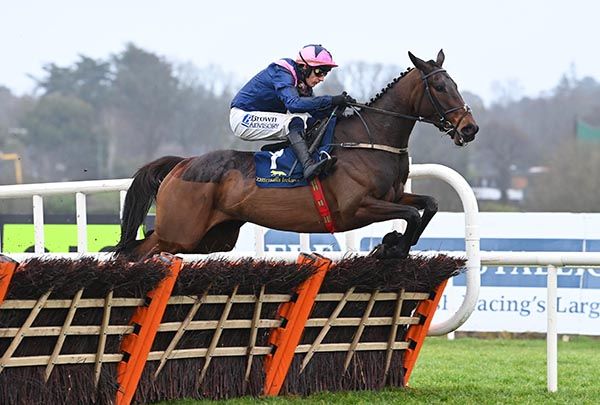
{"x": 277, "y": 102}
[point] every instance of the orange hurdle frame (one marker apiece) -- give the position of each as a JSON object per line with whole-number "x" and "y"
{"x": 146, "y": 320}
{"x": 295, "y": 313}
{"x": 7, "y": 269}
{"x": 416, "y": 334}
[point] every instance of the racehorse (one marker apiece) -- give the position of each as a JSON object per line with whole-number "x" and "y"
{"x": 202, "y": 201}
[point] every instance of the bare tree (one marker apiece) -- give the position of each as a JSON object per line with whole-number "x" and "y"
{"x": 363, "y": 80}
{"x": 145, "y": 95}
{"x": 500, "y": 146}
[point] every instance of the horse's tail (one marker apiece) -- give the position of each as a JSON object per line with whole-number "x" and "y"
{"x": 140, "y": 196}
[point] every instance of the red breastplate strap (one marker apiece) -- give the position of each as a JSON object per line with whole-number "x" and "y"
{"x": 321, "y": 204}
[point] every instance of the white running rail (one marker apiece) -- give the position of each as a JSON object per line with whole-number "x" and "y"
{"x": 79, "y": 188}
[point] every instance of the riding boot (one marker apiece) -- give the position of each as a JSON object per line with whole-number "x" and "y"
{"x": 311, "y": 168}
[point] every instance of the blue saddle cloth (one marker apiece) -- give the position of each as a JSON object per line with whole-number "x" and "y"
{"x": 273, "y": 168}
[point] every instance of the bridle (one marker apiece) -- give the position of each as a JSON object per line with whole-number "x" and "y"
{"x": 441, "y": 122}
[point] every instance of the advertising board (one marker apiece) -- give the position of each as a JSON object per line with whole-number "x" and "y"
{"x": 512, "y": 298}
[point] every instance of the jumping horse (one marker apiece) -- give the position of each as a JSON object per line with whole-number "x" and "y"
{"x": 202, "y": 201}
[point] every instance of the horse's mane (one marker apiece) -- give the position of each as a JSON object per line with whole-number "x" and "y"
{"x": 388, "y": 86}
{"x": 381, "y": 92}
{"x": 393, "y": 82}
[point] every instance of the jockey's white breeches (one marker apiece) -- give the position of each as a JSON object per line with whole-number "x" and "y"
{"x": 262, "y": 125}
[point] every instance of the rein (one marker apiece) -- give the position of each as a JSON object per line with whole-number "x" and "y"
{"x": 370, "y": 145}
{"x": 388, "y": 112}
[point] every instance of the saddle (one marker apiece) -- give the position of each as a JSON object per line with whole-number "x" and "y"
{"x": 277, "y": 165}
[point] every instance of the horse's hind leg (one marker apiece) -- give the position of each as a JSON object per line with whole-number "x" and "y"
{"x": 220, "y": 238}
{"x": 184, "y": 213}
{"x": 152, "y": 245}
{"x": 188, "y": 221}
{"x": 145, "y": 248}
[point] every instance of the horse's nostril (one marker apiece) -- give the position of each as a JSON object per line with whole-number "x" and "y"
{"x": 469, "y": 131}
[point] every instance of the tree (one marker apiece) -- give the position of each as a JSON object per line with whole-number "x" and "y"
{"x": 201, "y": 122}
{"x": 144, "y": 96}
{"x": 428, "y": 145}
{"x": 500, "y": 148}
{"x": 202, "y": 113}
{"x": 88, "y": 80}
{"x": 363, "y": 80}
{"x": 12, "y": 109}
{"x": 61, "y": 139}
{"x": 571, "y": 182}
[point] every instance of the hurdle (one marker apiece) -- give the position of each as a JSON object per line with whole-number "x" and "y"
{"x": 111, "y": 331}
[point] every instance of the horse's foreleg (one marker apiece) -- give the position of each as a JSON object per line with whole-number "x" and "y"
{"x": 426, "y": 203}
{"x": 373, "y": 210}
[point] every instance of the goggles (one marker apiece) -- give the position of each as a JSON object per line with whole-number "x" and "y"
{"x": 321, "y": 71}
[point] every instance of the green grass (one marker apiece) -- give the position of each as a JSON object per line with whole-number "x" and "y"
{"x": 478, "y": 371}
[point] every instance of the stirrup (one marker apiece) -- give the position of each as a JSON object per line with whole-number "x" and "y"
{"x": 315, "y": 169}
{"x": 331, "y": 161}
{"x": 327, "y": 155}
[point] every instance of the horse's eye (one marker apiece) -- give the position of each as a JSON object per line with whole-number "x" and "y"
{"x": 440, "y": 88}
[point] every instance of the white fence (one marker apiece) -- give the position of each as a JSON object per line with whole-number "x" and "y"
{"x": 80, "y": 189}
{"x": 475, "y": 258}
{"x": 77, "y": 188}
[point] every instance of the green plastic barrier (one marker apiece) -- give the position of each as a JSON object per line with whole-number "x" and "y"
{"x": 59, "y": 238}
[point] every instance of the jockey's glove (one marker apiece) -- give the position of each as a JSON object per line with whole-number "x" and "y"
{"x": 342, "y": 100}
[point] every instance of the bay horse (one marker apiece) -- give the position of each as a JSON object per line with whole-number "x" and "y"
{"x": 202, "y": 201}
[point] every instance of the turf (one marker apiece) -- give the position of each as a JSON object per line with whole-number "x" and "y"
{"x": 479, "y": 371}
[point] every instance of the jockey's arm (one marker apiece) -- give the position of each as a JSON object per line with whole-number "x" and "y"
{"x": 288, "y": 94}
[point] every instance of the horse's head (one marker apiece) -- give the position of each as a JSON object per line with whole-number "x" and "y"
{"x": 440, "y": 103}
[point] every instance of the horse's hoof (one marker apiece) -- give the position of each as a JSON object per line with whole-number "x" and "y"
{"x": 395, "y": 252}
{"x": 387, "y": 252}
{"x": 378, "y": 251}
{"x": 392, "y": 238}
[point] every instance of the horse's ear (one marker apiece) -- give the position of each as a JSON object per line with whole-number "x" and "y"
{"x": 440, "y": 57}
{"x": 419, "y": 63}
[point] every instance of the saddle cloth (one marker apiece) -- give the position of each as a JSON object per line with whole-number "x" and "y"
{"x": 273, "y": 167}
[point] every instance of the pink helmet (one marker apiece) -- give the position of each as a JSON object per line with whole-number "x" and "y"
{"x": 315, "y": 55}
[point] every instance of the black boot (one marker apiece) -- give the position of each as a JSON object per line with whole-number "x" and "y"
{"x": 311, "y": 168}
